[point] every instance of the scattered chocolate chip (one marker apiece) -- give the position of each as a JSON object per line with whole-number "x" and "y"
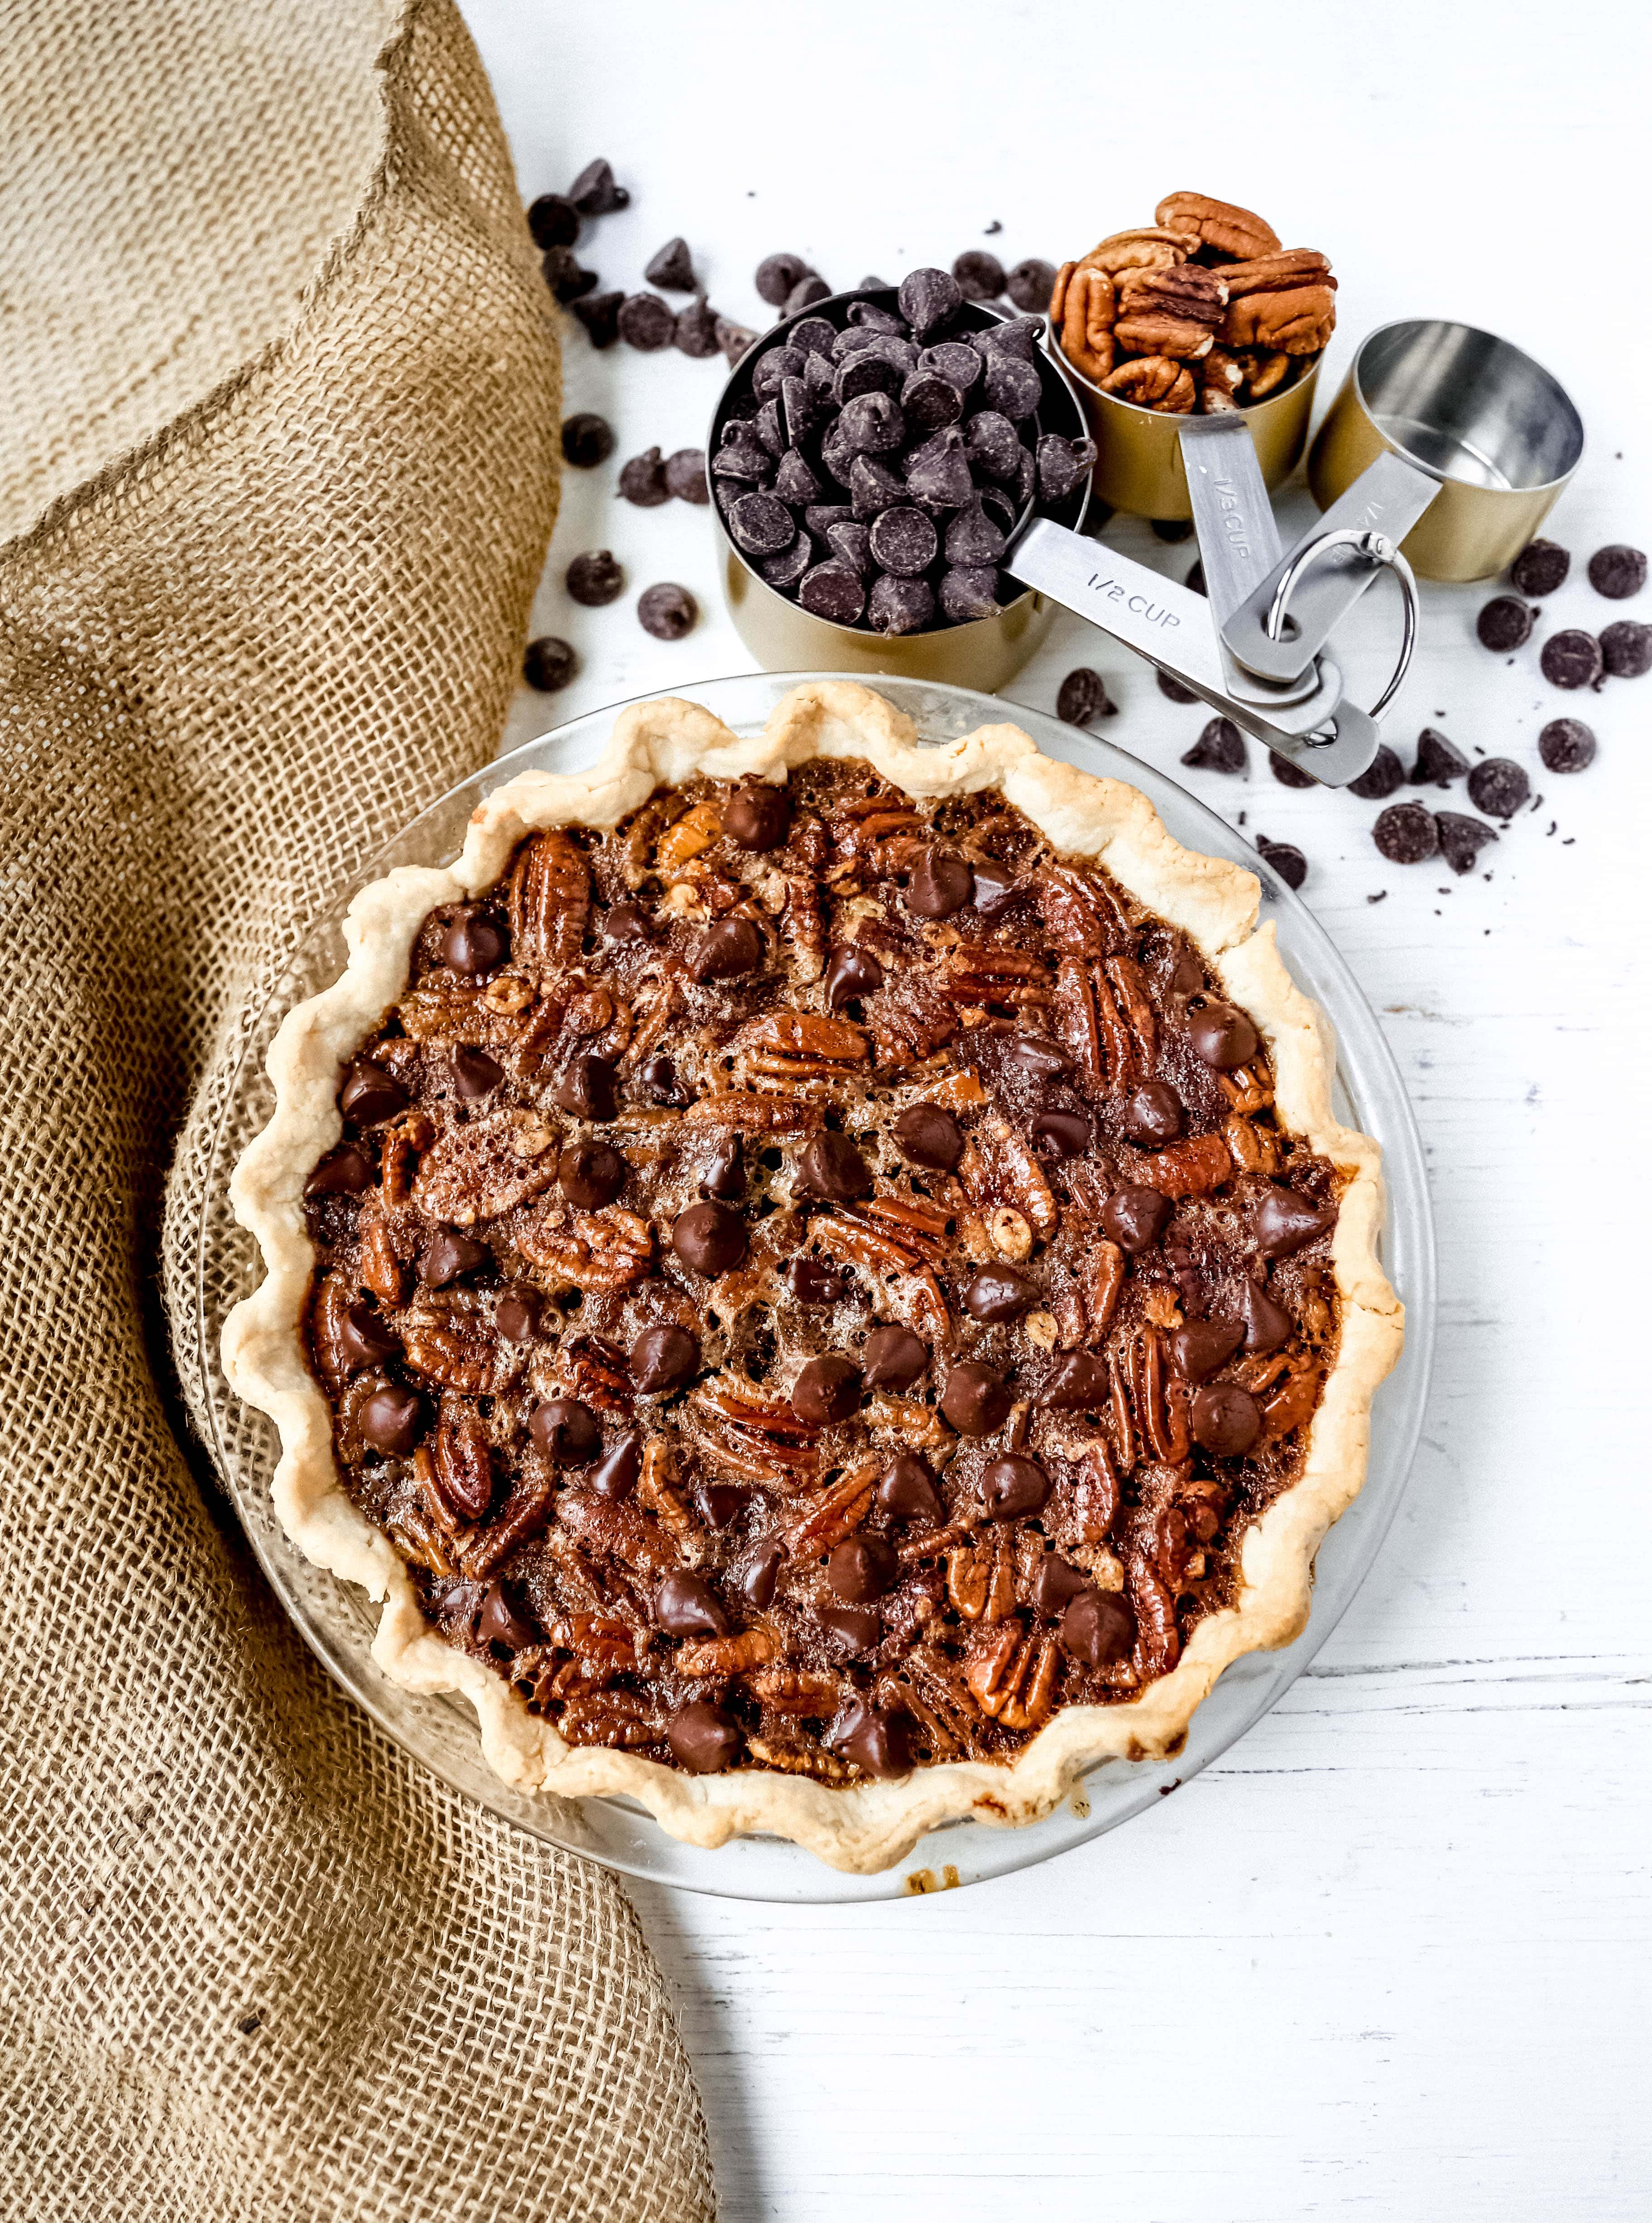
{"x": 776, "y": 275}
{"x": 1171, "y": 529}
{"x": 1287, "y": 1222}
{"x": 1030, "y": 284}
{"x": 391, "y": 1421}
{"x": 1461, "y": 839}
{"x": 1077, "y": 1382}
{"x": 1289, "y": 774}
{"x": 564, "y": 276}
{"x": 668, "y": 611}
{"x": 757, "y": 1579}
{"x": 827, "y": 1389}
{"x": 646, "y": 322}
{"x": 1135, "y": 1218}
{"x": 1286, "y": 859}
{"x": 995, "y": 1293}
{"x": 1201, "y": 1347}
{"x": 703, "y": 1738}
{"x": 1225, "y": 1419}
{"x": 594, "y": 192}
{"x": 599, "y": 314}
{"x": 1061, "y": 1135}
{"x": 894, "y": 1358}
{"x": 1381, "y": 778}
{"x": 907, "y": 1490}
{"x": 694, "y": 331}
{"x": 1539, "y": 569}
{"x": 976, "y": 1399}
{"x": 832, "y": 590}
{"x": 472, "y": 945}
{"x": 1571, "y": 658}
{"x": 1014, "y": 1488}
{"x": 449, "y": 1256}
{"x": 585, "y": 1088}
{"x": 724, "y": 1174}
{"x": 365, "y": 1339}
{"x": 594, "y": 579}
{"x": 1220, "y": 747}
{"x": 615, "y": 1474}
{"x": 1083, "y": 697}
{"x": 1437, "y": 762}
{"x": 1498, "y": 787}
{"x": 1153, "y": 1115}
{"x": 1505, "y": 623}
{"x": 548, "y": 664}
{"x": 1222, "y": 1036}
{"x": 757, "y": 815}
{"x": 566, "y": 1432}
{"x": 475, "y": 1073}
{"x": 733, "y": 339}
{"x": 552, "y": 221}
{"x": 726, "y": 951}
{"x": 878, "y": 1743}
{"x": 1174, "y": 690}
{"x": 587, "y": 439}
{"x": 862, "y": 1568}
{"x": 1267, "y": 1324}
{"x": 517, "y": 1316}
{"x": 926, "y": 1135}
{"x": 1626, "y": 648}
{"x": 900, "y": 605}
{"x": 686, "y": 1605}
{"x": 709, "y": 1238}
{"x": 809, "y": 1280}
{"x": 979, "y": 275}
{"x": 832, "y": 1166}
{"x": 627, "y": 922}
{"x": 805, "y": 293}
{"x": 590, "y": 1175}
{"x": 672, "y": 267}
{"x": 941, "y": 884}
{"x": 641, "y": 481}
{"x": 664, "y": 1359}
{"x": 501, "y": 1620}
{"x": 369, "y": 1094}
{"x": 1566, "y": 745}
{"x": 1617, "y": 571}
{"x": 851, "y": 971}
{"x": 904, "y": 541}
{"x": 1099, "y": 1628}
{"x": 658, "y": 1078}
{"x": 1405, "y": 833}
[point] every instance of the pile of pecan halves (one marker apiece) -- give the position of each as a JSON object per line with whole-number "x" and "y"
{"x": 1200, "y": 310}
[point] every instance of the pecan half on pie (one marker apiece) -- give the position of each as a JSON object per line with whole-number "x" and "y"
{"x": 817, "y": 1277}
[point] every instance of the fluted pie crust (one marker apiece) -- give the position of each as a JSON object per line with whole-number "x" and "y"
{"x": 867, "y": 1826}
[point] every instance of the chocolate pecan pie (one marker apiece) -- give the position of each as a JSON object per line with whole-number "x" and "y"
{"x": 817, "y": 1276}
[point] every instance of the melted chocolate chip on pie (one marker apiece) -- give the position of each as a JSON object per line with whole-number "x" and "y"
{"x": 814, "y": 1280}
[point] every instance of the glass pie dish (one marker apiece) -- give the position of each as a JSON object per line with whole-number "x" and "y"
{"x": 338, "y": 1621}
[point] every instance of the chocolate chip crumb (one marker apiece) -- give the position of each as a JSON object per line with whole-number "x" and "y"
{"x": 1617, "y": 571}
{"x": 1381, "y": 896}
{"x": 1498, "y": 787}
{"x": 1626, "y": 648}
{"x": 1566, "y": 745}
{"x": 646, "y": 322}
{"x": 642, "y": 480}
{"x": 1030, "y": 285}
{"x": 248, "y": 2023}
{"x": 685, "y": 476}
{"x": 587, "y": 439}
{"x": 1220, "y": 747}
{"x": 1084, "y": 698}
{"x": 594, "y": 192}
{"x": 667, "y": 610}
{"x": 1289, "y": 774}
{"x": 1571, "y": 660}
{"x": 1504, "y": 624}
{"x": 548, "y": 664}
{"x": 1405, "y": 833}
{"x": 672, "y": 267}
{"x": 564, "y": 276}
{"x": 595, "y": 579}
{"x": 1285, "y": 858}
{"x": 599, "y": 314}
{"x": 553, "y": 222}
{"x": 1437, "y": 762}
{"x": 1539, "y": 569}
{"x": 1461, "y": 840}
{"x": 1380, "y": 778}
{"x": 1174, "y": 689}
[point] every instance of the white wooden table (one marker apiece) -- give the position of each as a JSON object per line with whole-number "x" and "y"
{"x": 1388, "y": 1960}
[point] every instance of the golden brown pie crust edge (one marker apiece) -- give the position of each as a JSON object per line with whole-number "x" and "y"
{"x": 871, "y": 1825}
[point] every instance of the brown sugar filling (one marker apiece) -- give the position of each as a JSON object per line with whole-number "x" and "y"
{"x": 814, "y": 1280}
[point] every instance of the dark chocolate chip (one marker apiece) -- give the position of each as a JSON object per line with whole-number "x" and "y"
{"x": 973, "y": 539}
{"x": 1036, "y": 1056}
{"x": 770, "y": 431}
{"x": 553, "y": 222}
{"x": 1626, "y": 648}
{"x": 1030, "y": 284}
{"x": 979, "y": 274}
{"x": 1539, "y": 569}
{"x": 594, "y": 579}
{"x": 1077, "y": 1382}
{"x": 755, "y": 1581}
{"x": 867, "y": 372}
{"x": 1099, "y": 1628}
{"x": 941, "y": 884}
{"x": 1014, "y": 1488}
{"x": 850, "y": 1629}
{"x": 392, "y": 1422}
{"x": 1195, "y": 581}
{"x": 776, "y": 275}
{"x": 1437, "y": 761}
{"x": 907, "y": 1491}
{"x": 994, "y": 1293}
{"x": 969, "y": 591}
{"x": 709, "y": 1238}
{"x": 807, "y": 291}
{"x": 1173, "y": 690}
{"x": 873, "y": 487}
{"x": 1062, "y": 463}
{"x": 449, "y": 1256}
{"x": 831, "y": 590}
{"x": 664, "y": 1359}
{"x": 795, "y": 482}
{"x": 814, "y": 336}
{"x": 992, "y": 444}
{"x": 548, "y": 664}
{"x": 962, "y": 366}
{"x": 1153, "y": 1115}
{"x": 668, "y": 611}
{"x": 1082, "y": 698}
{"x": 1012, "y": 386}
{"x": 1505, "y": 623}
{"x": 646, "y": 322}
{"x": 724, "y": 1174}
{"x": 1171, "y": 529}
{"x": 517, "y": 1316}
{"x": 1267, "y": 1325}
{"x": 672, "y": 267}
{"x": 686, "y": 1605}
{"x": 900, "y": 605}
{"x": 595, "y": 192}
{"x": 785, "y": 570}
{"x": 1461, "y": 839}
{"x": 733, "y": 339}
{"x": 810, "y": 1281}
{"x": 1405, "y": 833}
{"x": 566, "y": 1432}
{"x": 1056, "y": 1585}
{"x": 1617, "y": 571}
{"x": 599, "y": 314}
{"x": 502, "y": 1622}
{"x": 756, "y": 817}
{"x": 926, "y": 1135}
{"x": 894, "y": 1358}
{"x": 364, "y": 1338}
{"x": 703, "y": 1738}
{"x": 587, "y": 439}
{"x": 585, "y": 1086}
{"x": 975, "y": 1400}
{"x": 615, "y": 1474}
{"x": 1135, "y": 1218}
{"x": 871, "y": 424}
{"x": 475, "y": 1073}
{"x": 1381, "y": 778}
{"x": 760, "y": 524}
{"x": 741, "y": 453}
{"x": 1289, "y": 774}
{"x": 938, "y": 472}
{"x": 832, "y": 1166}
{"x": 904, "y": 541}
{"x": 1222, "y": 1036}
{"x": 1220, "y": 747}
{"x": 1566, "y": 745}
{"x": 1225, "y": 1419}
{"x": 876, "y": 1742}
{"x": 995, "y": 888}
{"x": 369, "y": 1094}
{"x": 565, "y": 276}
{"x": 1498, "y": 787}
{"x": 1286, "y": 859}
{"x": 472, "y": 945}
{"x": 1061, "y": 1134}
{"x": 927, "y": 299}
{"x": 827, "y": 1389}
{"x": 657, "y": 1077}
{"x": 929, "y": 402}
{"x": 1571, "y": 660}
{"x": 870, "y": 317}
{"x": 851, "y": 971}
{"x": 641, "y": 481}
{"x": 694, "y": 332}
{"x": 862, "y": 1568}
{"x": 1287, "y": 1222}
{"x": 1014, "y": 336}
{"x": 1199, "y": 1348}
{"x": 628, "y": 922}
{"x": 590, "y": 1175}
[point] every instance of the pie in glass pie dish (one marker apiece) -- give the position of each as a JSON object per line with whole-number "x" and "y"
{"x": 817, "y": 1278}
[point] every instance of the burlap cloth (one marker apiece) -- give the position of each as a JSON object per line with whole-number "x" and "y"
{"x": 278, "y": 459}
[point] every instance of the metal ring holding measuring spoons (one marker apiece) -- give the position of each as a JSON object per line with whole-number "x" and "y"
{"x": 1376, "y": 548}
